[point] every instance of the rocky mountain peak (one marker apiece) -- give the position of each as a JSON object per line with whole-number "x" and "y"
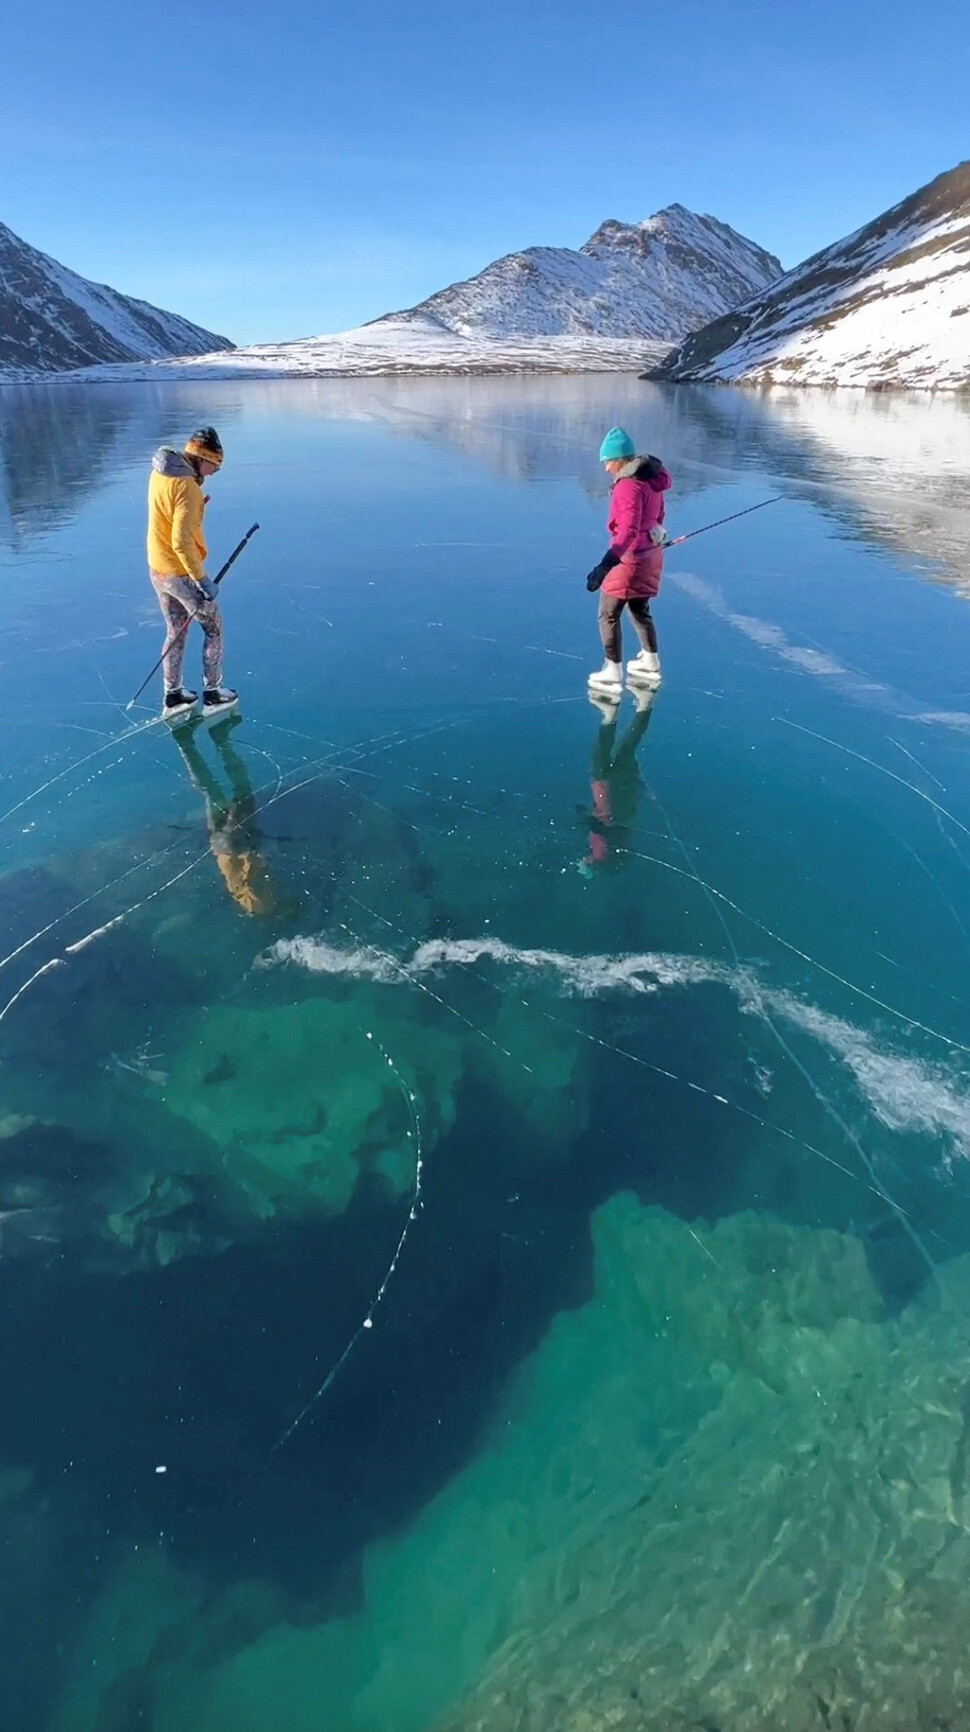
{"x": 656, "y": 279}
{"x": 52, "y": 320}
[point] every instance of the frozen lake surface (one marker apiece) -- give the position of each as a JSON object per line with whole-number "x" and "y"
{"x": 484, "y": 1207}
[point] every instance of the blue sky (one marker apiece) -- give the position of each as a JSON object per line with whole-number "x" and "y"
{"x": 279, "y": 171}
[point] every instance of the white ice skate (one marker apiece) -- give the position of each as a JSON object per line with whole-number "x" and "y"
{"x": 217, "y": 701}
{"x": 645, "y": 668}
{"x": 179, "y": 706}
{"x": 608, "y": 680}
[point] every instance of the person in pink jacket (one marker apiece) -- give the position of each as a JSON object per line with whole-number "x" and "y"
{"x": 629, "y": 573}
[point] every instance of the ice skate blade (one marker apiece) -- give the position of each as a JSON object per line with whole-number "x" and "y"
{"x": 216, "y": 712}
{"x": 637, "y": 677}
{"x": 177, "y": 718}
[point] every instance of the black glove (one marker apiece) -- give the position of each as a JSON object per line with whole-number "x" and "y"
{"x": 601, "y": 571}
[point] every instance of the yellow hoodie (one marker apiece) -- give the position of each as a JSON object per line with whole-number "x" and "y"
{"x": 176, "y": 544}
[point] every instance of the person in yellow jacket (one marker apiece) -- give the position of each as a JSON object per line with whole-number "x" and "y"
{"x": 176, "y": 561}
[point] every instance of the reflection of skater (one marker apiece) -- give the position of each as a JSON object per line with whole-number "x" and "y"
{"x": 176, "y": 561}
{"x": 231, "y": 817}
{"x": 615, "y": 782}
{"x": 629, "y": 574}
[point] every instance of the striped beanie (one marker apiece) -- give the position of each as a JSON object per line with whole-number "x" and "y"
{"x": 205, "y": 443}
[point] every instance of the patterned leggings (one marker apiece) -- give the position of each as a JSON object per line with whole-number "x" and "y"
{"x": 180, "y": 601}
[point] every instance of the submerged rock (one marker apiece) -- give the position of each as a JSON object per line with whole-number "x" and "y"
{"x": 297, "y": 1101}
{"x": 11, "y": 1124}
{"x": 729, "y": 1491}
{"x": 792, "y": 1557}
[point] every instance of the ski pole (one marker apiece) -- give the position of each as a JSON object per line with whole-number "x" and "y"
{"x": 679, "y": 539}
{"x": 220, "y": 574}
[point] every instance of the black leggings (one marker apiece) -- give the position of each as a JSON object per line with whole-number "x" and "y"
{"x": 611, "y": 607}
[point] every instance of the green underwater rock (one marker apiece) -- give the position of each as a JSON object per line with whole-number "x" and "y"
{"x": 208, "y": 1122}
{"x": 280, "y": 1108}
{"x": 727, "y": 1492}
{"x": 790, "y": 1558}
{"x": 296, "y": 1101}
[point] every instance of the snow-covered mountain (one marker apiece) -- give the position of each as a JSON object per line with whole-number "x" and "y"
{"x": 52, "y": 319}
{"x": 889, "y": 305}
{"x": 656, "y": 279}
{"x": 617, "y": 305}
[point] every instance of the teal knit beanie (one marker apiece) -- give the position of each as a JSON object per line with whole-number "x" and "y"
{"x": 617, "y": 444}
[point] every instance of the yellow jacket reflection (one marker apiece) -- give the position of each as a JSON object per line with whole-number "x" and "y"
{"x": 231, "y": 818}
{"x": 245, "y": 875}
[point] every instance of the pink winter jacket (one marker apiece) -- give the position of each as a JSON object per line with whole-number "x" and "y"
{"x": 636, "y": 507}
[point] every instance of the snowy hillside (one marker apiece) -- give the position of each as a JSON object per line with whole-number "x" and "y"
{"x": 656, "y": 279}
{"x": 52, "y": 319}
{"x": 398, "y": 347}
{"x": 889, "y": 305}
